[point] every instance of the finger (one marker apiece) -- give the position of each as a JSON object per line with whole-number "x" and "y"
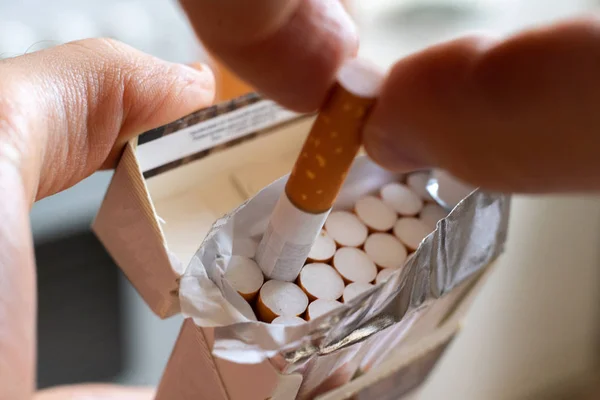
{"x": 95, "y": 392}
{"x": 516, "y": 115}
{"x": 70, "y": 106}
{"x": 289, "y": 50}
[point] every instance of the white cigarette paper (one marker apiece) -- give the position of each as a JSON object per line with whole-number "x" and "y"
{"x": 287, "y": 241}
{"x": 354, "y": 265}
{"x": 321, "y": 307}
{"x": 244, "y": 275}
{"x": 375, "y": 214}
{"x": 401, "y": 198}
{"x": 321, "y": 281}
{"x": 385, "y": 250}
{"x": 355, "y": 289}
{"x": 346, "y": 229}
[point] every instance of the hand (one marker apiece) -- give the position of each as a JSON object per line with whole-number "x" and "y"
{"x": 63, "y": 113}
{"x": 516, "y": 115}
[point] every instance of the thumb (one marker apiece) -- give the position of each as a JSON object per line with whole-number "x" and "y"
{"x": 68, "y": 110}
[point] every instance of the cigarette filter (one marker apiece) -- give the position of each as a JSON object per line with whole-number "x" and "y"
{"x": 417, "y": 182}
{"x": 322, "y": 249}
{"x": 354, "y": 265}
{"x": 375, "y": 214}
{"x": 431, "y": 214}
{"x": 319, "y": 172}
{"x": 385, "y": 250}
{"x": 288, "y": 320}
{"x": 244, "y": 275}
{"x": 346, "y": 229}
{"x": 411, "y": 232}
{"x": 321, "y": 307}
{"x": 383, "y": 275}
{"x": 355, "y": 289}
{"x": 277, "y": 298}
{"x": 402, "y": 199}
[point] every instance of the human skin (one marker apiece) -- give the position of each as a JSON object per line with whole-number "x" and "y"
{"x": 518, "y": 115}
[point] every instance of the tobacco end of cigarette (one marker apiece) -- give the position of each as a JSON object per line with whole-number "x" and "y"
{"x": 245, "y": 276}
{"x": 321, "y": 281}
{"x": 277, "y": 298}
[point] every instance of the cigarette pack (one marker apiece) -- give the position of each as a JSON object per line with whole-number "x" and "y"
{"x": 188, "y": 197}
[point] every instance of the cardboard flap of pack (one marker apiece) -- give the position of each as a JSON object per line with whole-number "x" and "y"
{"x": 173, "y": 182}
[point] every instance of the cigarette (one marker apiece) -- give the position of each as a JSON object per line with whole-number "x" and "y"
{"x": 321, "y": 307}
{"x": 323, "y": 249}
{"x": 288, "y": 320}
{"x": 385, "y": 250}
{"x": 244, "y": 275}
{"x": 402, "y": 199}
{"x": 319, "y": 172}
{"x": 417, "y": 182}
{"x": 280, "y": 299}
{"x": 354, "y": 265}
{"x": 346, "y": 229}
{"x": 383, "y": 275}
{"x": 431, "y": 214}
{"x": 411, "y": 232}
{"x": 321, "y": 281}
{"x": 355, "y": 289}
{"x": 375, "y": 214}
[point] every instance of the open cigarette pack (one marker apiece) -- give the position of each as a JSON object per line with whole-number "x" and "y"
{"x": 379, "y": 298}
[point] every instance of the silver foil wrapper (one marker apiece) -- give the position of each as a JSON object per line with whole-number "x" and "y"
{"x": 462, "y": 245}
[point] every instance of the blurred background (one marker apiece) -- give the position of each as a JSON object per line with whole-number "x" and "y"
{"x": 92, "y": 324}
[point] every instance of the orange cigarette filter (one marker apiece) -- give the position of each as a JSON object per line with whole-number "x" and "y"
{"x": 319, "y": 172}
{"x": 328, "y": 152}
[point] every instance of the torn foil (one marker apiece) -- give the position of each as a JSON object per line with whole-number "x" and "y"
{"x": 463, "y": 244}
